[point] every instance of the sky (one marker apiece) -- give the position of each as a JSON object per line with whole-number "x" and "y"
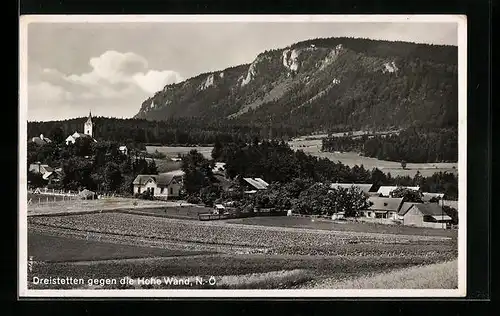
{"x": 111, "y": 68}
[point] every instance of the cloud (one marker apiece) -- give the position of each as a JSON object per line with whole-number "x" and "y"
{"x": 114, "y": 79}
{"x": 154, "y": 80}
{"x": 47, "y": 92}
{"x": 115, "y": 70}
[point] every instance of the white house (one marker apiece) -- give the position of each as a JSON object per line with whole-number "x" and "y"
{"x": 88, "y": 132}
{"x": 163, "y": 186}
{"x": 383, "y": 207}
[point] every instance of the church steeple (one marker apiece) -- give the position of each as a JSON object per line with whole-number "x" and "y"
{"x": 88, "y": 125}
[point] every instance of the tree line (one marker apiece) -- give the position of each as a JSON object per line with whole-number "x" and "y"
{"x": 411, "y": 145}
{"x": 291, "y": 173}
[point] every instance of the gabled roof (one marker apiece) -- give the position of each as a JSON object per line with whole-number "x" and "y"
{"x": 47, "y": 168}
{"x": 386, "y": 190}
{"x": 161, "y": 180}
{"x": 39, "y": 141}
{"x": 385, "y": 203}
{"x": 142, "y": 179}
{"x": 257, "y": 183}
{"x": 406, "y": 207}
{"x": 430, "y": 209}
{"x": 365, "y": 187}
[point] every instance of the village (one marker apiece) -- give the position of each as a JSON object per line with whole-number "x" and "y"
{"x": 411, "y": 207}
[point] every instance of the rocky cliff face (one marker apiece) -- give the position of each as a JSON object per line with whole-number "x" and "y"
{"x": 324, "y": 83}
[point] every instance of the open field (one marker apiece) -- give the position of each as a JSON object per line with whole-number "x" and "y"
{"x": 43, "y": 247}
{"x": 167, "y": 165}
{"x": 313, "y": 147}
{"x": 433, "y": 276}
{"x": 170, "y": 151}
{"x": 238, "y": 255}
{"x": 105, "y": 204}
{"x": 184, "y": 212}
{"x": 304, "y": 222}
{"x": 351, "y": 159}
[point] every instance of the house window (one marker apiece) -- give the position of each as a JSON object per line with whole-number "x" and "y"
{"x": 138, "y": 189}
{"x": 161, "y": 190}
{"x": 171, "y": 191}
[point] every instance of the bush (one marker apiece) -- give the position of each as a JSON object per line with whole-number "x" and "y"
{"x": 146, "y": 195}
{"x": 193, "y": 199}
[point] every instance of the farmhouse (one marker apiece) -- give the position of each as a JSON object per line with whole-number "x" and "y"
{"x": 41, "y": 140}
{"x": 164, "y": 186}
{"x": 386, "y": 190}
{"x": 88, "y": 130}
{"x": 383, "y": 207}
{"x": 365, "y": 187}
{"x": 424, "y": 215}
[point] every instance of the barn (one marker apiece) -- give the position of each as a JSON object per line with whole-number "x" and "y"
{"x": 424, "y": 215}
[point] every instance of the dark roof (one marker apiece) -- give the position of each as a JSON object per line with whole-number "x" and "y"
{"x": 47, "y": 168}
{"x": 365, "y": 187}
{"x": 385, "y": 204}
{"x": 39, "y": 141}
{"x": 431, "y": 209}
{"x": 406, "y": 207}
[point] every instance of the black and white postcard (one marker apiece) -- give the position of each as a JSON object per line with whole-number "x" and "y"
{"x": 242, "y": 156}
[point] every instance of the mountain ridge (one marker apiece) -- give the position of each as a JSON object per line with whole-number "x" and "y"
{"x": 324, "y": 83}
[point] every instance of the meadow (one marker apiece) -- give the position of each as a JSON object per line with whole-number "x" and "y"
{"x": 47, "y": 248}
{"x": 174, "y": 151}
{"x": 326, "y": 224}
{"x": 313, "y": 147}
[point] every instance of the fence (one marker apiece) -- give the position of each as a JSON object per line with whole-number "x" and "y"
{"x": 211, "y": 216}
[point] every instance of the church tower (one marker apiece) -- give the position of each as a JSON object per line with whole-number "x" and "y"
{"x": 88, "y": 126}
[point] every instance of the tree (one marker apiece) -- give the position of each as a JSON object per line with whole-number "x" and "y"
{"x": 217, "y": 150}
{"x": 198, "y": 172}
{"x": 408, "y": 195}
{"x": 57, "y": 135}
{"x": 35, "y": 179}
{"x": 403, "y": 164}
{"x": 210, "y": 193}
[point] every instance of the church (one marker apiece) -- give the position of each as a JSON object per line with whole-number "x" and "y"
{"x": 87, "y": 132}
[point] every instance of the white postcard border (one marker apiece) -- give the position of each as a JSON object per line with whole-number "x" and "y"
{"x": 24, "y": 292}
